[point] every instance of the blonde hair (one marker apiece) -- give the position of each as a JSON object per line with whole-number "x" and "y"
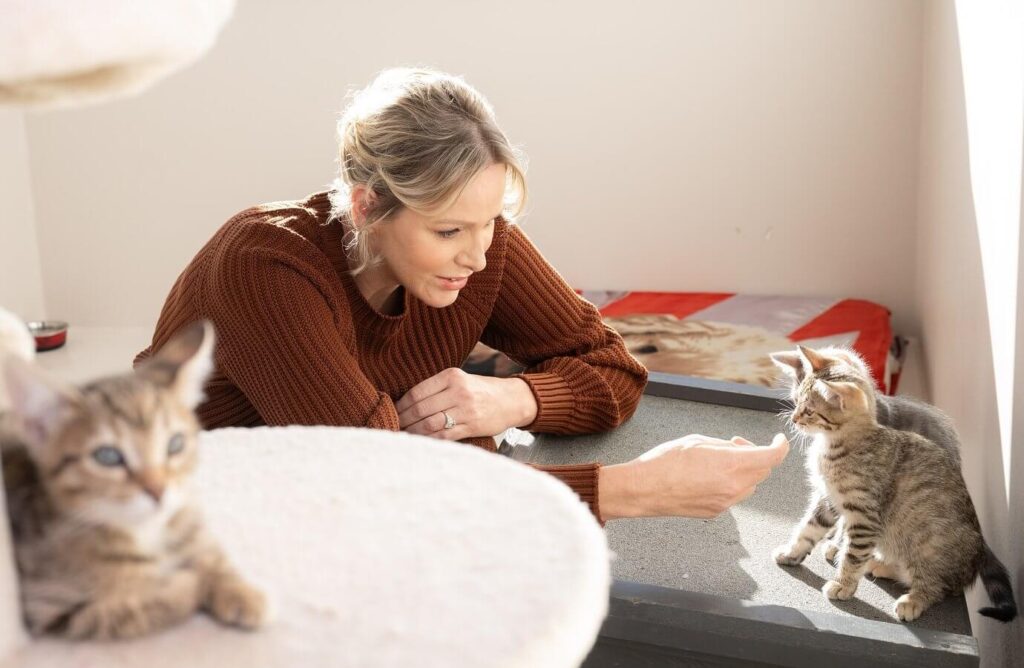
{"x": 414, "y": 138}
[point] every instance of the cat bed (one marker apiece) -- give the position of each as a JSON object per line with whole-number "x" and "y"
{"x": 727, "y": 336}
{"x": 376, "y": 548}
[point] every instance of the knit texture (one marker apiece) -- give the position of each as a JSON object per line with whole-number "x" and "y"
{"x": 297, "y": 343}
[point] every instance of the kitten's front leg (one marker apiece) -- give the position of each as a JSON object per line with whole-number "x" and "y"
{"x": 231, "y": 600}
{"x": 860, "y": 540}
{"x": 137, "y": 608}
{"x": 834, "y": 541}
{"x": 820, "y": 517}
{"x": 235, "y": 602}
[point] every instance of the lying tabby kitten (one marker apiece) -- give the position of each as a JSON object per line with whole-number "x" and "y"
{"x": 108, "y": 541}
{"x": 905, "y": 510}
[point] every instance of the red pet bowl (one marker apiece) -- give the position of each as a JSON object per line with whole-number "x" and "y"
{"x": 49, "y": 334}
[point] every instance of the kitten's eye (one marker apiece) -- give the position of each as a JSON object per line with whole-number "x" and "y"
{"x": 176, "y": 444}
{"x": 108, "y": 455}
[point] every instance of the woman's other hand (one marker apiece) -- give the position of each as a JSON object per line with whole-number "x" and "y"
{"x": 693, "y": 476}
{"x": 478, "y": 405}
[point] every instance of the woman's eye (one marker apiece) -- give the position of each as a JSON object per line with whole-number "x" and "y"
{"x": 447, "y": 234}
{"x": 176, "y": 444}
{"x": 108, "y": 455}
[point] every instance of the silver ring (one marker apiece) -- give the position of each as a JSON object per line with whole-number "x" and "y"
{"x": 449, "y": 421}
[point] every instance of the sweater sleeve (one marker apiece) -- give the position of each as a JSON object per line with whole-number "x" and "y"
{"x": 583, "y": 378}
{"x": 581, "y": 478}
{"x": 284, "y": 337}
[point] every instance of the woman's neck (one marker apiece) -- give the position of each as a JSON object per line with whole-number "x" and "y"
{"x": 379, "y": 288}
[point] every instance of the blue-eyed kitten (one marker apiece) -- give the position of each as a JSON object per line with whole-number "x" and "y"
{"x": 108, "y": 540}
{"x": 904, "y": 507}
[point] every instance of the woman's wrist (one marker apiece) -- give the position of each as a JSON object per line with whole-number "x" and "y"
{"x": 619, "y": 492}
{"x": 523, "y": 407}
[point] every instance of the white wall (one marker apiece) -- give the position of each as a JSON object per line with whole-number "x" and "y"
{"x": 21, "y": 285}
{"x": 968, "y": 304}
{"x": 774, "y": 144}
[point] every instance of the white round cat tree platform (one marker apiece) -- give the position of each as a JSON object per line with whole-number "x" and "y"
{"x": 377, "y": 549}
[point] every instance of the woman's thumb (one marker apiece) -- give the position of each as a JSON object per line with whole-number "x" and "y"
{"x": 781, "y": 443}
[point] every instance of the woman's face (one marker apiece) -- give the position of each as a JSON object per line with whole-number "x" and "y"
{"x": 433, "y": 256}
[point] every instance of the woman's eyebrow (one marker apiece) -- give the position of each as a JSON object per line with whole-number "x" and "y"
{"x": 466, "y": 222}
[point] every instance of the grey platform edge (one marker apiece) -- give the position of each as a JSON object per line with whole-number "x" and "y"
{"x": 657, "y": 626}
{"x": 719, "y": 392}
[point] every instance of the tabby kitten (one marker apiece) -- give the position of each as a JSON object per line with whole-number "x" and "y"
{"x": 905, "y": 510}
{"x": 108, "y": 540}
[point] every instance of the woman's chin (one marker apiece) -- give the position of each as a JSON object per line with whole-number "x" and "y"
{"x": 441, "y": 298}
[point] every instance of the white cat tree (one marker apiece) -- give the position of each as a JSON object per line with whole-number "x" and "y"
{"x": 378, "y": 548}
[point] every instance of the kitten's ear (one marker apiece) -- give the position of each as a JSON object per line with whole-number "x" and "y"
{"x": 790, "y": 362}
{"x": 39, "y": 402}
{"x": 843, "y": 395}
{"x": 184, "y": 362}
{"x": 815, "y": 361}
{"x": 853, "y": 359}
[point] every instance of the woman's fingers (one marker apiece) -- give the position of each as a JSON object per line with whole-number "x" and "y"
{"x": 696, "y": 476}
{"x": 426, "y": 409}
{"x": 439, "y": 382}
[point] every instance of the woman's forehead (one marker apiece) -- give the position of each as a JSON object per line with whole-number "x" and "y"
{"x": 481, "y": 199}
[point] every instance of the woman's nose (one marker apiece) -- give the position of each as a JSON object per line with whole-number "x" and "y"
{"x": 474, "y": 257}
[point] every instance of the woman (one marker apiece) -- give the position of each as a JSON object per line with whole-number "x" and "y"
{"x": 358, "y": 305}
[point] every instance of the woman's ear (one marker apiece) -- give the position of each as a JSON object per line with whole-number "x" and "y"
{"x": 363, "y": 200}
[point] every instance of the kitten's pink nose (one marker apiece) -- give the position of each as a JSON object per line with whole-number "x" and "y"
{"x": 152, "y": 484}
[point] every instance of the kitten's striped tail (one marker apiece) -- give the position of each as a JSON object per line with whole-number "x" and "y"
{"x": 997, "y": 583}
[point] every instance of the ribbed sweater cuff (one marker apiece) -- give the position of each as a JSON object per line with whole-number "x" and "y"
{"x": 485, "y": 442}
{"x": 582, "y": 479}
{"x": 555, "y": 402}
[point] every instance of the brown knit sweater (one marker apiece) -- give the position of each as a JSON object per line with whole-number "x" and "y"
{"x": 297, "y": 343}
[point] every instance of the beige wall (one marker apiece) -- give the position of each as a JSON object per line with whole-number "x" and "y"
{"x": 960, "y": 360}
{"x": 21, "y": 286}
{"x": 762, "y": 147}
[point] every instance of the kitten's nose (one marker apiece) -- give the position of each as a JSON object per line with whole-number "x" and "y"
{"x": 152, "y": 484}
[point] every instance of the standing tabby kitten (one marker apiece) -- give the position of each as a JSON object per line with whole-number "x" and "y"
{"x": 905, "y": 510}
{"x": 108, "y": 541}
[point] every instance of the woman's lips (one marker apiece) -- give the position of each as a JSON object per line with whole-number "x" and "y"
{"x": 457, "y": 283}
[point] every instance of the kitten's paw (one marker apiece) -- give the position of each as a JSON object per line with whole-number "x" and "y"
{"x": 909, "y": 608}
{"x": 788, "y": 555}
{"x": 880, "y": 569}
{"x": 237, "y": 603}
{"x": 831, "y": 550}
{"x": 100, "y": 621}
{"x": 836, "y": 590}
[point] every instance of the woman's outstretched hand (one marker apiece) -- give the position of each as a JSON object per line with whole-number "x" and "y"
{"x": 693, "y": 476}
{"x": 477, "y": 405}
